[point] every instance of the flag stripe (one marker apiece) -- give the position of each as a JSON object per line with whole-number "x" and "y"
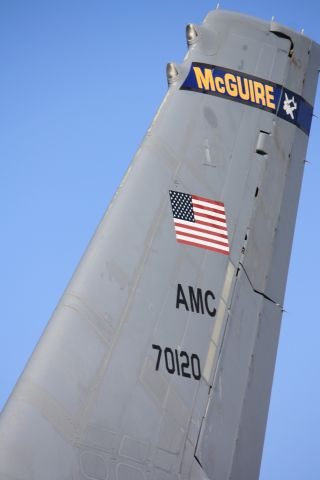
{"x": 214, "y": 208}
{"x": 201, "y": 228}
{"x": 208, "y": 201}
{"x": 207, "y": 247}
{"x": 197, "y": 234}
{"x": 205, "y": 215}
{"x": 196, "y": 238}
{"x": 207, "y": 219}
{"x": 198, "y": 203}
{"x": 209, "y": 211}
{"x": 222, "y": 229}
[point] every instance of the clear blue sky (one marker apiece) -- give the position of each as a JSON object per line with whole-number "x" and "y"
{"x": 80, "y": 83}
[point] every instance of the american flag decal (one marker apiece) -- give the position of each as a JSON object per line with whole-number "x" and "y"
{"x": 200, "y": 222}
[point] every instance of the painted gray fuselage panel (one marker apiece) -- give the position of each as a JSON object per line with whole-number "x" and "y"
{"x": 93, "y": 402}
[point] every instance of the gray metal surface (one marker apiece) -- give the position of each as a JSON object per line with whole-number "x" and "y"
{"x": 95, "y": 400}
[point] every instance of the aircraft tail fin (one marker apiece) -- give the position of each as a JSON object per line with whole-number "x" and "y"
{"x": 158, "y": 361}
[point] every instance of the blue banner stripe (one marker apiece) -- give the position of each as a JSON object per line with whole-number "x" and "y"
{"x": 250, "y": 90}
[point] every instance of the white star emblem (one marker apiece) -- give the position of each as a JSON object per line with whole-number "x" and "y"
{"x": 289, "y": 106}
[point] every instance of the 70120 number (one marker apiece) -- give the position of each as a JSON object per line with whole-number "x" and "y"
{"x": 179, "y": 362}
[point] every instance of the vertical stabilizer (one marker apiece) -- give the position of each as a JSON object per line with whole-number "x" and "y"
{"x": 158, "y": 361}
